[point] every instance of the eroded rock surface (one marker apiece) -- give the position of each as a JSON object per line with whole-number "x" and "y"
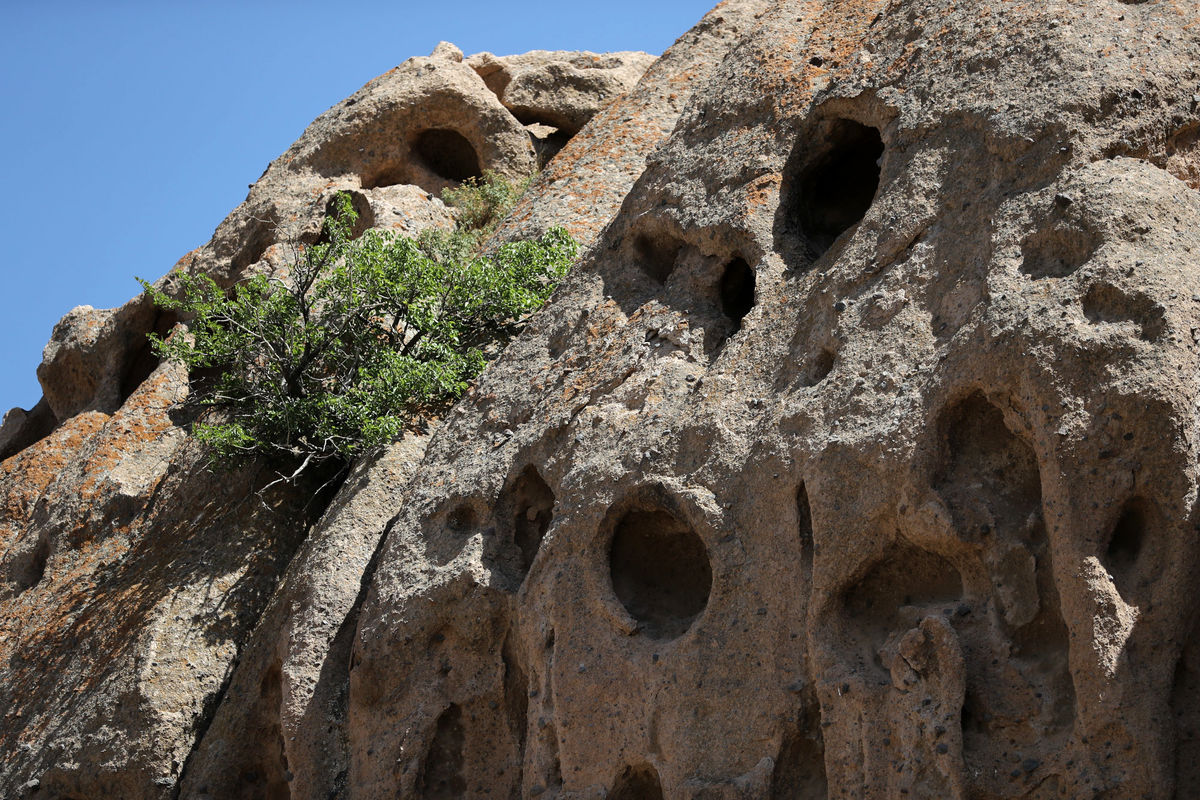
{"x": 138, "y": 589}
{"x": 856, "y": 459}
{"x": 861, "y": 449}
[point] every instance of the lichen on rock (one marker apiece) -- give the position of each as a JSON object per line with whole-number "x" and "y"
{"x": 856, "y": 458}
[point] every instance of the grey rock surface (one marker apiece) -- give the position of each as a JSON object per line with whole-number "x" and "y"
{"x": 857, "y": 458}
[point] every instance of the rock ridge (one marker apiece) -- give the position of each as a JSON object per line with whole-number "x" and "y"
{"x": 856, "y": 458}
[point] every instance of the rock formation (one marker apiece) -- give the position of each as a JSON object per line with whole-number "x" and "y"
{"x": 857, "y": 457}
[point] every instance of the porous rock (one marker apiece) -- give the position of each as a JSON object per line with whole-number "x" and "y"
{"x": 561, "y": 89}
{"x": 133, "y": 580}
{"x": 857, "y": 458}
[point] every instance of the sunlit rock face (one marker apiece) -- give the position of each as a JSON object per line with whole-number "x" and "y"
{"x": 163, "y": 626}
{"x": 855, "y": 459}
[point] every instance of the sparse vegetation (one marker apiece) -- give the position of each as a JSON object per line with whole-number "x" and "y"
{"x": 358, "y": 339}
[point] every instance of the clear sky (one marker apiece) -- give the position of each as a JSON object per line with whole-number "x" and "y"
{"x": 128, "y": 130}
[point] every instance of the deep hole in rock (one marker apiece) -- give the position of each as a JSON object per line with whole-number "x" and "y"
{"x": 1041, "y": 651}
{"x": 461, "y": 519}
{"x": 547, "y": 142}
{"x": 989, "y": 476}
{"x": 637, "y": 783}
{"x": 442, "y": 773}
{"x": 660, "y": 571}
{"x": 548, "y": 135}
{"x": 837, "y": 186}
{"x": 800, "y": 765}
{"x": 805, "y": 529}
{"x": 1125, "y": 544}
{"x": 737, "y": 291}
{"x": 259, "y": 237}
{"x": 527, "y": 117}
{"x": 656, "y": 254}
{"x": 516, "y": 694}
{"x": 899, "y": 590}
{"x": 21, "y": 429}
{"x": 1056, "y": 251}
{"x": 447, "y": 154}
{"x": 818, "y": 368}
{"x": 388, "y": 174}
{"x": 532, "y": 503}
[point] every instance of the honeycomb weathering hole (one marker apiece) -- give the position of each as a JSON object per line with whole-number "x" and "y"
{"x": 448, "y": 154}
{"x": 1104, "y": 304}
{"x": 1125, "y": 545}
{"x": 660, "y": 571}
{"x": 442, "y": 772}
{"x": 657, "y": 254}
{"x": 364, "y": 214}
{"x": 737, "y": 291}
{"x": 637, "y": 783}
{"x": 838, "y": 184}
{"x": 1056, "y": 252}
{"x": 533, "y": 510}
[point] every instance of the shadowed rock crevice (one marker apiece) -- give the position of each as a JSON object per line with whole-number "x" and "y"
{"x": 831, "y": 190}
{"x": 442, "y": 771}
{"x": 637, "y": 783}
{"x": 659, "y": 570}
{"x": 736, "y": 291}
{"x": 265, "y": 773}
{"x": 448, "y": 154}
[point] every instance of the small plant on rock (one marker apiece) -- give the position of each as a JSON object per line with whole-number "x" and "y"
{"x": 358, "y": 339}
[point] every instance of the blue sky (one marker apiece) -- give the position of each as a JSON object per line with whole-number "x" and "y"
{"x": 130, "y": 129}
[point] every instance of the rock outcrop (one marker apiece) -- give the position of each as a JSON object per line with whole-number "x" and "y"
{"x": 133, "y": 581}
{"x": 856, "y": 458}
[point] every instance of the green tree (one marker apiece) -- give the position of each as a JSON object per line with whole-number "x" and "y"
{"x": 358, "y": 339}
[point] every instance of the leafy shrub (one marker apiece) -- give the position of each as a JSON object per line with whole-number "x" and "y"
{"x": 482, "y": 204}
{"x": 360, "y": 339}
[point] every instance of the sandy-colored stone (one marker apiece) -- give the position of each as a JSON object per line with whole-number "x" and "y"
{"x": 134, "y": 582}
{"x": 561, "y": 89}
{"x": 857, "y": 458}
{"x": 862, "y": 446}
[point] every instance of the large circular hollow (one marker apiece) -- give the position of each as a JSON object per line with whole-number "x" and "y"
{"x": 838, "y": 186}
{"x": 660, "y": 571}
{"x": 448, "y": 154}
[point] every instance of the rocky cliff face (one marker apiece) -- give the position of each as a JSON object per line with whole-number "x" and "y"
{"x": 857, "y": 457}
